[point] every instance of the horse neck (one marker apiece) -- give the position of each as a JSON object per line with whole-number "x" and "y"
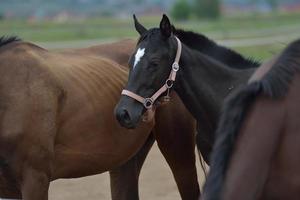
{"x": 203, "y": 83}
{"x": 208, "y": 47}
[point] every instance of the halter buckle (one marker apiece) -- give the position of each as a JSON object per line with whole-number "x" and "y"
{"x": 169, "y": 83}
{"x": 148, "y": 103}
{"x": 175, "y": 66}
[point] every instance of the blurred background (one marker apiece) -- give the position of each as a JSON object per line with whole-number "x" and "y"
{"x": 240, "y": 24}
{"x": 255, "y": 28}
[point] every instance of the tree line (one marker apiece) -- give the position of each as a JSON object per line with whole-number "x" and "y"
{"x": 210, "y": 9}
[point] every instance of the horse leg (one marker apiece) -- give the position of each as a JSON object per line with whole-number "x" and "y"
{"x": 35, "y": 184}
{"x": 30, "y": 167}
{"x": 28, "y": 170}
{"x": 32, "y": 159}
{"x": 176, "y": 141}
{"x": 124, "y": 179}
{"x": 8, "y": 186}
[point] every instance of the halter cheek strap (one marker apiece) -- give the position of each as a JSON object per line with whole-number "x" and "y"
{"x": 149, "y": 101}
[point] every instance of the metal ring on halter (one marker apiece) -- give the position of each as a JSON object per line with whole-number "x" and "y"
{"x": 175, "y": 66}
{"x": 169, "y": 83}
{"x": 148, "y": 103}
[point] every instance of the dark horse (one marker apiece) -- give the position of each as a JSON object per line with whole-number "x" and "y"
{"x": 56, "y": 121}
{"x": 256, "y": 154}
{"x": 207, "y": 74}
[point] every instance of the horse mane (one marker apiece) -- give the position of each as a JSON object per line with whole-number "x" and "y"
{"x": 207, "y": 46}
{"x": 203, "y": 44}
{"x": 274, "y": 84}
{"x": 4, "y": 40}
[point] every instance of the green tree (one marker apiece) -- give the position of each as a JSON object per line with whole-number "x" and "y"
{"x": 181, "y": 10}
{"x": 209, "y": 9}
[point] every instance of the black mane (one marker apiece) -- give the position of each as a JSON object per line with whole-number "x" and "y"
{"x": 209, "y": 47}
{"x": 4, "y": 40}
{"x": 274, "y": 84}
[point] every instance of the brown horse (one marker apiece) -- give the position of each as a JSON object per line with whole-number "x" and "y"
{"x": 256, "y": 154}
{"x": 57, "y": 121}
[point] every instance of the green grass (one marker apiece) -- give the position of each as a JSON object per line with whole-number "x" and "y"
{"x": 107, "y": 28}
{"x": 262, "y": 52}
{"x": 101, "y": 28}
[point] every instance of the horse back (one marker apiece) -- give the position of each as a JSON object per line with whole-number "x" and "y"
{"x": 119, "y": 51}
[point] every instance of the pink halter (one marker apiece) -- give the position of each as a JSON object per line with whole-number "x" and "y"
{"x": 149, "y": 101}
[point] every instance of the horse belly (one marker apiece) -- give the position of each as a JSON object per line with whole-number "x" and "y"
{"x": 91, "y": 141}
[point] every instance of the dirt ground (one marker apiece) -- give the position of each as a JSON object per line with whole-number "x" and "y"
{"x": 156, "y": 182}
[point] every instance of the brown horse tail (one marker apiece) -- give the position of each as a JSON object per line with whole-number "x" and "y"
{"x": 234, "y": 110}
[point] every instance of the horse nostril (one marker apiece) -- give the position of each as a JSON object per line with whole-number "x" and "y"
{"x": 125, "y": 116}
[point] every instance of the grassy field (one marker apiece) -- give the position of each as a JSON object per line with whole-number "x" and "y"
{"x": 110, "y": 29}
{"x": 262, "y": 52}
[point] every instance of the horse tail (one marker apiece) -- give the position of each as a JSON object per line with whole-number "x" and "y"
{"x": 233, "y": 113}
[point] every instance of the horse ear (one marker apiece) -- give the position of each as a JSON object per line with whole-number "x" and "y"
{"x": 139, "y": 27}
{"x": 165, "y": 26}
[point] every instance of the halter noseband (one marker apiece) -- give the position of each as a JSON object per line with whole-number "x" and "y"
{"x": 149, "y": 101}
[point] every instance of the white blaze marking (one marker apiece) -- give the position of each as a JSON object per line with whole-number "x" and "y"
{"x": 139, "y": 54}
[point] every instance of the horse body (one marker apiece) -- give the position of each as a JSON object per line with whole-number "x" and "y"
{"x": 57, "y": 122}
{"x": 202, "y": 85}
{"x": 202, "y": 82}
{"x": 170, "y": 121}
{"x": 87, "y": 109}
{"x": 256, "y": 151}
{"x": 60, "y": 117}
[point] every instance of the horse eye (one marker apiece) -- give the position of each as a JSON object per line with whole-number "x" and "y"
{"x": 153, "y": 64}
